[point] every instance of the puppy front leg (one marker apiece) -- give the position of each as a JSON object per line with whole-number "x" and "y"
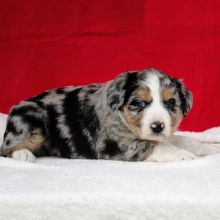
{"x": 196, "y": 147}
{"x": 166, "y": 152}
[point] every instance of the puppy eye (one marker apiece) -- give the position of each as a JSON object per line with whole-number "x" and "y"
{"x": 138, "y": 105}
{"x": 170, "y": 104}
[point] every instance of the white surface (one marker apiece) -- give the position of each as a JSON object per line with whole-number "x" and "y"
{"x": 90, "y": 189}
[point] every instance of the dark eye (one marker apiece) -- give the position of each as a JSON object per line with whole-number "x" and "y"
{"x": 170, "y": 104}
{"x": 137, "y": 105}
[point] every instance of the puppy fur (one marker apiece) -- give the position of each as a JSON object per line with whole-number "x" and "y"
{"x": 116, "y": 120}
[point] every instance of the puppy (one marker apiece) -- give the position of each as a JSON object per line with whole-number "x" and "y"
{"x": 130, "y": 118}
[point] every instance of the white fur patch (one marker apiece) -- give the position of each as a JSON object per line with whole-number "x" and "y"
{"x": 166, "y": 152}
{"x": 155, "y": 112}
{"x": 23, "y": 155}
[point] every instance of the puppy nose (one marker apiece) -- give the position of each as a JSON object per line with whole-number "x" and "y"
{"x": 157, "y": 127}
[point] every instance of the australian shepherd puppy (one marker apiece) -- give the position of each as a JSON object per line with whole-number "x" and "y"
{"x": 130, "y": 118}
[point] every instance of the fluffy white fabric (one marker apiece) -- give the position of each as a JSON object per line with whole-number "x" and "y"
{"x": 89, "y": 189}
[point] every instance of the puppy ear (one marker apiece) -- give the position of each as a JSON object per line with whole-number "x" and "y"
{"x": 185, "y": 95}
{"x": 120, "y": 90}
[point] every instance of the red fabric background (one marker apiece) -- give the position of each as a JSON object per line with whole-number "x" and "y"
{"x": 46, "y": 44}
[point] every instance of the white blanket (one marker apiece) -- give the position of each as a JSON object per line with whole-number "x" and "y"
{"x": 91, "y": 189}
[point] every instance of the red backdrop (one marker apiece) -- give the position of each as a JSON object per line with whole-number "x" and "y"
{"x": 46, "y": 44}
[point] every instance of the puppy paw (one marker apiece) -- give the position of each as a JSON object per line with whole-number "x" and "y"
{"x": 164, "y": 154}
{"x": 23, "y": 155}
{"x": 180, "y": 155}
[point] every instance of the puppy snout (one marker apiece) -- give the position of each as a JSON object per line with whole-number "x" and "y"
{"x": 157, "y": 127}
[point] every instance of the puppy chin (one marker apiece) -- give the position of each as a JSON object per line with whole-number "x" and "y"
{"x": 156, "y": 137}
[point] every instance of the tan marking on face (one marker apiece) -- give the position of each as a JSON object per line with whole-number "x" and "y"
{"x": 176, "y": 119}
{"x": 167, "y": 94}
{"x": 144, "y": 94}
{"x": 32, "y": 143}
{"x": 134, "y": 121}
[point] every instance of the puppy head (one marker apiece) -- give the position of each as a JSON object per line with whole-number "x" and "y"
{"x": 151, "y": 103}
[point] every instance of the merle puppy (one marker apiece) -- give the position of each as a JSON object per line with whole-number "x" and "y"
{"x": 130, "y": 118}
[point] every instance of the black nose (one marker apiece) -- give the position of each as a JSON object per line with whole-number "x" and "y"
{"x": 157, "y": 127}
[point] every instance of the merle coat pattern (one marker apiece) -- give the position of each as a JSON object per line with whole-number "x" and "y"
{"x": 88, "y": 121}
